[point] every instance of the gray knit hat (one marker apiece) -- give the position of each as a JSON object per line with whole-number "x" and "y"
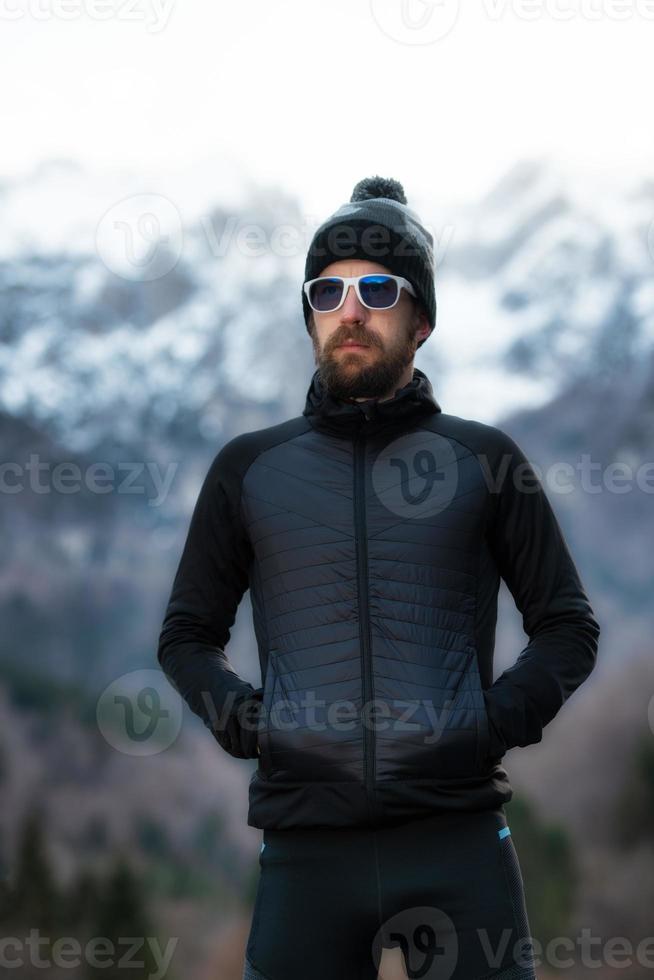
{"x": 376, "y": 224}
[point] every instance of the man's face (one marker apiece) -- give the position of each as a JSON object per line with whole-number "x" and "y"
{"x": 386, "y": 340}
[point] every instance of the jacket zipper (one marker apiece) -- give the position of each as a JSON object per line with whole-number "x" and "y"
{"x": 360, "y": 530}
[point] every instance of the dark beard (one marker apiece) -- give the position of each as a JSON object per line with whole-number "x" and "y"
{"x": 371, "y": 380}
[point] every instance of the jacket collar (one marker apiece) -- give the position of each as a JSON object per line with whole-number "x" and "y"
{"x": 343, "y": 417}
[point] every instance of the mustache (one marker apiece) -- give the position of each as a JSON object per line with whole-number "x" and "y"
{"x": 367, "y": 339}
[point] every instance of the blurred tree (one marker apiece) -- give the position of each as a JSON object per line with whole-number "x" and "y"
{"x": 151, "y": 836}
{"x": 122, "y": 918}
{"x": 208, "y": 836}
{"x": 34, "y": 899}
{"x": 633, "y": 820}
{"x": 251, "y": 884}
{"x": 96, "y": 833}
{"x": 4, "y": 768}
{"x": 83, "y": 902}
{"x": 548, "y": 869}
{"x": 5, "y": 900}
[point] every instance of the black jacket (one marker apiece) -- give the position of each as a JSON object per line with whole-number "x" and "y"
{"x": 373, "y": 537}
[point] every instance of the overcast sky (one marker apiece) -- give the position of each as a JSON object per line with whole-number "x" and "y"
{"x": 314, "y": 96}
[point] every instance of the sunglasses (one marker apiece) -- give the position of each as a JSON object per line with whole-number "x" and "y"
{"x": 377, "y": 292}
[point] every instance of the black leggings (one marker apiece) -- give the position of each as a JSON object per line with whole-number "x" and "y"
{"x": 445, "y": 892}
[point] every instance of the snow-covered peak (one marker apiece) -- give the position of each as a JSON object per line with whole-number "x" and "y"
{"x": 135, "y": 305}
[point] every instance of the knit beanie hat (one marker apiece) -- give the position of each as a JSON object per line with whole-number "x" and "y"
{"x": 376, "y": 224}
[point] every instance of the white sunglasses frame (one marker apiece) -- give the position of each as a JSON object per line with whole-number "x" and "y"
{"x": 354, "y": 281}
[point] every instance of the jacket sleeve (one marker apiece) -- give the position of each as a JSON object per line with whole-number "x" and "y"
{"x": 211, "y": 579}
{"x": 534, "y": 561}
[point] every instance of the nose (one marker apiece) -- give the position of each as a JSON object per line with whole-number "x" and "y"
{"x": 352, "y": 309}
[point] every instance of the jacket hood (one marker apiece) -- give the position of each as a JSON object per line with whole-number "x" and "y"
{"x": 411, "y": 401}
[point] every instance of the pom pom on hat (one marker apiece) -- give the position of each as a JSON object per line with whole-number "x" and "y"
{"x": 372, "y": 187}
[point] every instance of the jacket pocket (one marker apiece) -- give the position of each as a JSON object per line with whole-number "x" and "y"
{"x": 269, "y": 684}
{"x": 483, "y": 745}
{"x": 491, "y": 750}
{"x": 483, "y": 729}
{"x": 450, "y": 745}
{"x": 274, "y": 698}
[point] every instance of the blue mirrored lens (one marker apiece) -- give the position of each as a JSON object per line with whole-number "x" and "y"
{"x": 325, "y": 294}
{"x": 378, "y": 291}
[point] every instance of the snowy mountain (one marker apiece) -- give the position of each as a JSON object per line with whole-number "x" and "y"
{"x": 544, "y": 281}
{"x": 99, "y": 356}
